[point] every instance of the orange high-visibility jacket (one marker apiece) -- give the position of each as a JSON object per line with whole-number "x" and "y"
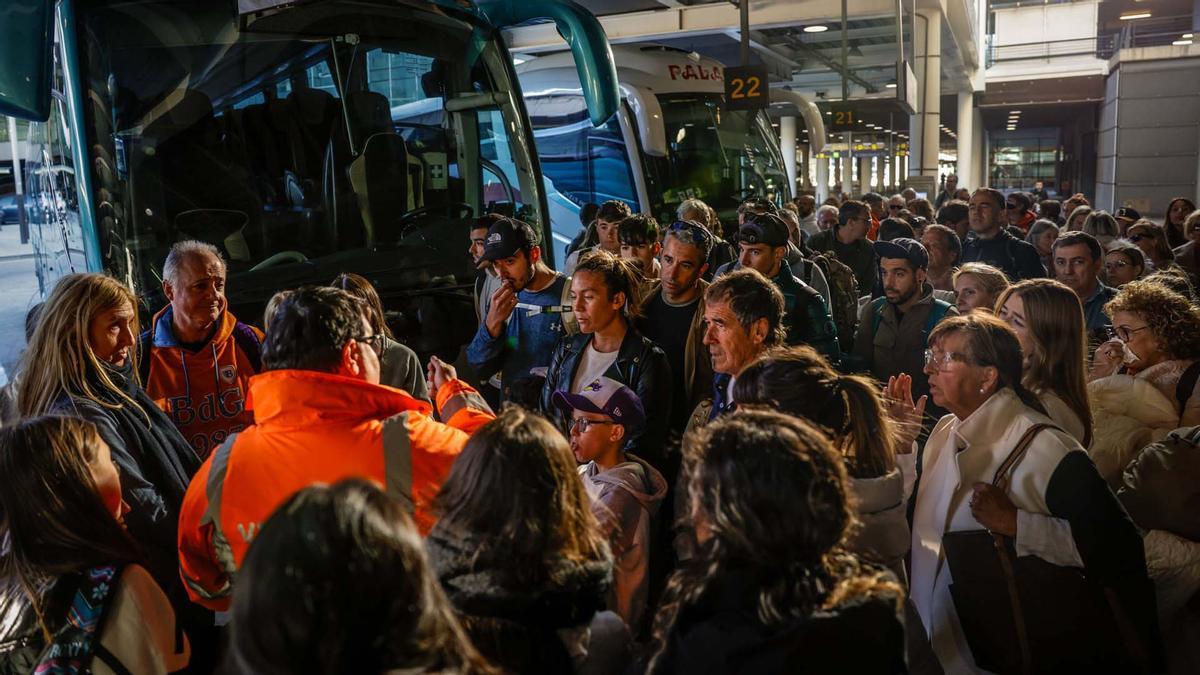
{"x": 313, "y": 427}
{"x": 204, "y": 392}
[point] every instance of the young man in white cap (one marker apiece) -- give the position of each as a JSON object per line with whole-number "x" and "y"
{"x": 625, "y": 491}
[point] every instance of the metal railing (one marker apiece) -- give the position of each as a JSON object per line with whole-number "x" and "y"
{"x": 1154, "y": 32}
{"x": 1100, "y": 46}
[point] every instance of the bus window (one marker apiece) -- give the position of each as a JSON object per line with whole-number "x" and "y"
{"x": 333, "y": 149}
{"x": 584, "y": 163}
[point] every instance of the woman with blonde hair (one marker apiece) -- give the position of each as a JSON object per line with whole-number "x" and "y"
{"x": 1151, "y": 238}
{"x": 399, "y": 366}
{"x": 1048, "y": 321}
{"x": 977, "y": 285}
{"x": 80, "y": 363}
{"x": 1078, "y": 215}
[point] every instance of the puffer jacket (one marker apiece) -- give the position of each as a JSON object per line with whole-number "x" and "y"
{"x": 557, "y": 626}
{"x": 1130, "y": 413}
{"x": 883, "y": 534}
{"x": 641, "y": 366}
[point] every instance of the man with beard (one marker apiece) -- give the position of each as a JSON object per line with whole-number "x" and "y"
{"x": 893, "y": 331}
{"x": 525, "y": 316}
{"x": 806, "y": 209}
{"x": 197, "y": 359}
{"x": 992, "y": 243}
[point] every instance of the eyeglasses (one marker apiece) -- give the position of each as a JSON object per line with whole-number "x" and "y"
{"x": 1011, "y": 206}
{"x": 582, "y": 424}
{"x": 940, "y": 361}
{"x": 1126, "y": 333}
{"x": 698, "y": 231}
{"x": 895, "y": 207}
{"x": 375, "y": 342}
{"x": 1135, "y": 238}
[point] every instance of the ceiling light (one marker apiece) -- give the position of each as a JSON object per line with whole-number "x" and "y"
{"x": 1134, "y": 15}
{"x": 1182, "y": 42}
{"x": 815, "y": 29}
{"x": 890, "y": 85}
{"x": 1187, "y": 36}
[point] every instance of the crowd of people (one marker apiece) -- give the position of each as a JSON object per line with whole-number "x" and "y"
{"x": 759, "y": 447}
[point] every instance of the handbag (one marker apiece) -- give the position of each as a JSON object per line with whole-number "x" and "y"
{"x": 1026, "y": 615}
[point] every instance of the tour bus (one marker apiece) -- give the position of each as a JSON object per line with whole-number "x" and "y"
{"x": 266, "y": 128}
{"x": 672, "y": 138}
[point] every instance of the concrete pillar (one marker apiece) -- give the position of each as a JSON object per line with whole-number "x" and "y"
{"x": 966, "y": 139}
{"x": 982, "y": 153}
{"x": 821, "y": 189}
{"x": 787, "y": 145}
{"x": 924, "y": 131}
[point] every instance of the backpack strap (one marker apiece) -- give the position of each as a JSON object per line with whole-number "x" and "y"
{"x": 249, "y": 344}
{"x": 936, "y": 314}
{"x": 71, "y": 647}
{"x": 877, "y": 313}
{"x": 1187, "y": 384}
{"x": 569, "y": 323}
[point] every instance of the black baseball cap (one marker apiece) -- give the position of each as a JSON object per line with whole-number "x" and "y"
{"x": 906, "y": 249}
{"x": 1128, "y": 212}
{"x": 764, "y": 228}
{"x": 507, "y": 236}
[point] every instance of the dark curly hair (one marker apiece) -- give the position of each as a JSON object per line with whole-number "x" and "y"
{"x": 1171, "y": 317}
{"x": 773, "y": 493}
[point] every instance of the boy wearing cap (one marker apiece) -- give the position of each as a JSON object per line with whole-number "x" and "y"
{"x": 625, "y": 491}
{"x": 762, "y": 244}
{"x": 893, "y": 330}
{"x": 1126, "y": 216}
{"x": 525, "y": 317}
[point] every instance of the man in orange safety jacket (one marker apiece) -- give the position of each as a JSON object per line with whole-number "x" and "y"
{"x": 319, "y": 417}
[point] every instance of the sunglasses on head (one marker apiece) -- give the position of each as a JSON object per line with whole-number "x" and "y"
{"x": 698, "y": 231}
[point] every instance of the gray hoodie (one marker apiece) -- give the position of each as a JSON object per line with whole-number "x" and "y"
{"x": 624, "y": 500}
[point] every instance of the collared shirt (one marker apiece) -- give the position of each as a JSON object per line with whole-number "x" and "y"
{"x": 1093, "y": 307}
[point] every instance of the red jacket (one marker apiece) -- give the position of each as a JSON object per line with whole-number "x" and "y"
{"x": 313, "y": 427}
{"x": 204, "y": 392}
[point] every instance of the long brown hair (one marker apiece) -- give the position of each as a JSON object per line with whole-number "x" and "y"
{"x": 359, "y": 287}
{"x": 515, "y": 485}
{"x": 1058, "y": 360}
{"x": 55, "y": 520}
{"x": 60, "y": 357}
{"x": 773, "y": 492}
{"x": 337, "y": 580}
{"x": 800, "y": 382}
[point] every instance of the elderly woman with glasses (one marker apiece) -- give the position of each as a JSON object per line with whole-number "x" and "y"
{"x": 1144, "y": 383}
{"x": 1056, "y": 506}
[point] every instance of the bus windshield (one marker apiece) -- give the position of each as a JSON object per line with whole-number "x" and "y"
{"x": 302, "y": 142}
{"x": 720, "y": 156}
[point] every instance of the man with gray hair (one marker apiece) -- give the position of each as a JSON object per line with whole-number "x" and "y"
{"x": 196, "y": 359}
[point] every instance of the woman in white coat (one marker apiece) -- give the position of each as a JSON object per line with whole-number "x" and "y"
{"x": 1057, "y": 507}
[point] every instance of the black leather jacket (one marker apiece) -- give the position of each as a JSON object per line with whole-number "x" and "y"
{"x": 641, "y": 366}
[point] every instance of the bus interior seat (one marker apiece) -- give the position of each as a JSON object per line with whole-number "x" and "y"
{"x": 379, "y": 176}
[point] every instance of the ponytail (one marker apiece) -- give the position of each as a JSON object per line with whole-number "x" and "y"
{"x": 867, "y": 441}
{"x": 620, "y": 276}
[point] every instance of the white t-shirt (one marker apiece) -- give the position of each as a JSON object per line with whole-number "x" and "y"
{"x": 592, "y": 366}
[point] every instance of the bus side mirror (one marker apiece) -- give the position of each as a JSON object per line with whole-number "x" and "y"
{"x": 25, "y": 53}
{"x": 585, "y": 36}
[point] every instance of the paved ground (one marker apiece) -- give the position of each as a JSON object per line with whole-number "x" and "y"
{"x": 18, "y": 292}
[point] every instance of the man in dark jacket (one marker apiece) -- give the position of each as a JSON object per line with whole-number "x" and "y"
{"x": 762, "y": 243}
{"x": 605, "y": 296}
{"x": 848, "y": 241}
{"x": 992, "y": 244}
{"x": 893, "y": 330}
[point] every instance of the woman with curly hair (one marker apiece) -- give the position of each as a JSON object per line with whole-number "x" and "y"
{"x": 773, "y": 590}
{"x": 1144, "y": 382}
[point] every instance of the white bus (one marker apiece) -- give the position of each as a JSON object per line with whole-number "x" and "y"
{"x": 671, "y": 139}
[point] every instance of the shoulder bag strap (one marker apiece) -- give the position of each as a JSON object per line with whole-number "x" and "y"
{"x": 1000, "y": 480}
{"x": 1187, "y": 384}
